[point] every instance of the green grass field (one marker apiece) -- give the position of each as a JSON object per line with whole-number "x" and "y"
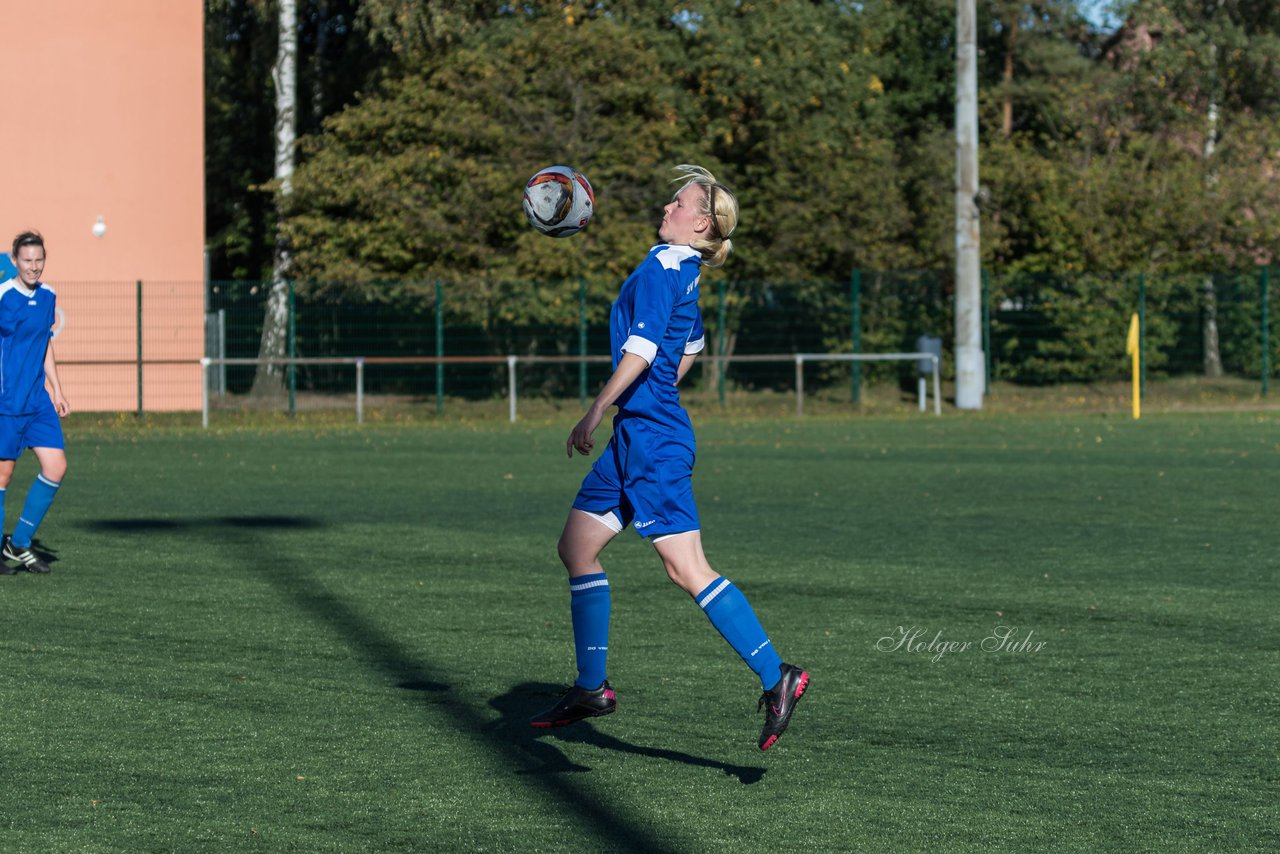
{"x": 324, "y": 638}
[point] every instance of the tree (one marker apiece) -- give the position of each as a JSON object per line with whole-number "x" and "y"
{"x": 421, "y": 181}
{"x": 1220, "y": 28}
{"x": 269, "y": 378}
{"x": 239, "y": 222}
{"x": 788, "y": 99}
{"x": 413, "y": 32}
{"x": 335, "y": 60}
{"x": 1216, "y": 69}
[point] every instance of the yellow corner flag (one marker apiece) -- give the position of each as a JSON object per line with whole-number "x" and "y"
{"x": 1132, "y": 348}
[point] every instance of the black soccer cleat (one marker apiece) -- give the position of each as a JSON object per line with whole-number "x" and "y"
{"x": 779, "y": 702}
{"x": 577, "y": 704}
{"x": 24, "y": 556}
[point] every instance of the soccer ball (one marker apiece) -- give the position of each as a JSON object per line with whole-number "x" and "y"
{"x": 559, "y": 201}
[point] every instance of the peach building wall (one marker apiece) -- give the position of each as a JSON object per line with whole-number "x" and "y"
{"x": 104, "y": 116}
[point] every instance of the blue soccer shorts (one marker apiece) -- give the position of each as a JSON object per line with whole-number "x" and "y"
{"x": 645, "y": 479}
{"x": 39, "y": 429}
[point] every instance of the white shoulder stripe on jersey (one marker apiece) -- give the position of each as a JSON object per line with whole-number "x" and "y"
{"x": 670, "y": 257}
{"x": 16, "y": 284}
{"x": 642, "y": 347}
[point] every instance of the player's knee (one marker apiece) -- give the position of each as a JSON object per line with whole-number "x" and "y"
{"x": 55, "y": 471}
{"x": 574, "y": 556}
{"x": 673, "y": 572}
{"x": 680, "y": 576}
{"x": 566, "y": 553}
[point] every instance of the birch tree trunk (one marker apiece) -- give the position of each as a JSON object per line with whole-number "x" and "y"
{"x": 269, "y": 380}
{"x": 1209, "y": 316}
{"x": 1006, "y": 113}
{"x": 1209, "y": 330}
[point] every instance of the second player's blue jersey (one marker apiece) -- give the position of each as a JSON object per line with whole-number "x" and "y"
{"x": 26, "y": 320}
{"x": 656, "y": 317}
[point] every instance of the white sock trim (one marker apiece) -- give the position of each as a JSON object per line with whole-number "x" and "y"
{"x": 724, "y": 582}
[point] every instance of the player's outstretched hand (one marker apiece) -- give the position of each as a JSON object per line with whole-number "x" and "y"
{"x": 580, "y": 438}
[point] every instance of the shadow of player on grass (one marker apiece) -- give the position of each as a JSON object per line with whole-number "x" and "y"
{"x": 526, "y": 699}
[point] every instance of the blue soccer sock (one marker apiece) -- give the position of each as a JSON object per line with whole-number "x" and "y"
{"x": 39, "y": 497}
{"x": 589, "y": 607}
{"x": 731, "y": 614}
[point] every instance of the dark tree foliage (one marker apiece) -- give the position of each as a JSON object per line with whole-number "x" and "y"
{"x": 335, "y": 62}
{"x": 1150, "y": 149}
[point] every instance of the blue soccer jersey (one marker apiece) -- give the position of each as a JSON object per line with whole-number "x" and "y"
{"x": 26, "y": 321}
{"x": 656, "y": 317}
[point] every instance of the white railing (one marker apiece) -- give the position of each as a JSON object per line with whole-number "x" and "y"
{"x": 801, "y": 358}
{"x": 513, "y": 362}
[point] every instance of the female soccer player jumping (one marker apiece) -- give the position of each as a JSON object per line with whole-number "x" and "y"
{"x": 644, "y": 477}
{"x": 28, "y": 411}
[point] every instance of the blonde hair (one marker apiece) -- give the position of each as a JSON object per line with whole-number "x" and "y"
{"x": 716, "y": 246}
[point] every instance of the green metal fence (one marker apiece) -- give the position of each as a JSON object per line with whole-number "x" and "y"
{"x": 1037, "y": 329}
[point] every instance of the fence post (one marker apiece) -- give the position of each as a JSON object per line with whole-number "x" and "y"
{"x": 855, "y": 334}
{"x": 986, "y": 324}
{"x": 1266, "y": 331}
{"x": 1142, "y": 336}
{"x": 511, "y": 385}
{"x": 799, "y": 384}
{"x": 582, "y": 342}
{"x": 204, "y": 392}
{"x": 293, "y": 350}
{"x": 360, "y": 390}
{"x": 139, "y": 348}
{"x": 937, "y": 386}
{"x": 720, "y": 342}
{"x": 439, "y": 348}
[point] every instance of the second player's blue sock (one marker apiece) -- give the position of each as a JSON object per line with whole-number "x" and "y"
{"x": 731, "y": 614}
{"x": 589, "y": 607}
{"x": 39, "y": 497}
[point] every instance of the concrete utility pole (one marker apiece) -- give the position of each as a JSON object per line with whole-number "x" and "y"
{"x": 970, "y": 363}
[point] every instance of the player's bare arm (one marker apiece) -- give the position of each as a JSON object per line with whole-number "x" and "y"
{"x": 60, "y": 403}
{"x": 629, "y": 369}
{"x": 686, "y": 362}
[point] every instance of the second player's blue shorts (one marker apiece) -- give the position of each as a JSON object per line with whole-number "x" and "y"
{"x": 645, "y": 478}
{"x": 39, "y": 429}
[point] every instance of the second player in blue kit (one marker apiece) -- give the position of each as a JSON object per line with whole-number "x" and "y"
{"x": 31, "y": 399}
{"x": 644, "y": 477}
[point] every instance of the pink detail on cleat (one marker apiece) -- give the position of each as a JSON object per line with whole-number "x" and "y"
{"x": 804, "y": 683}
{"x": 769, "y": 743}
{"x": 609, "y": 695}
